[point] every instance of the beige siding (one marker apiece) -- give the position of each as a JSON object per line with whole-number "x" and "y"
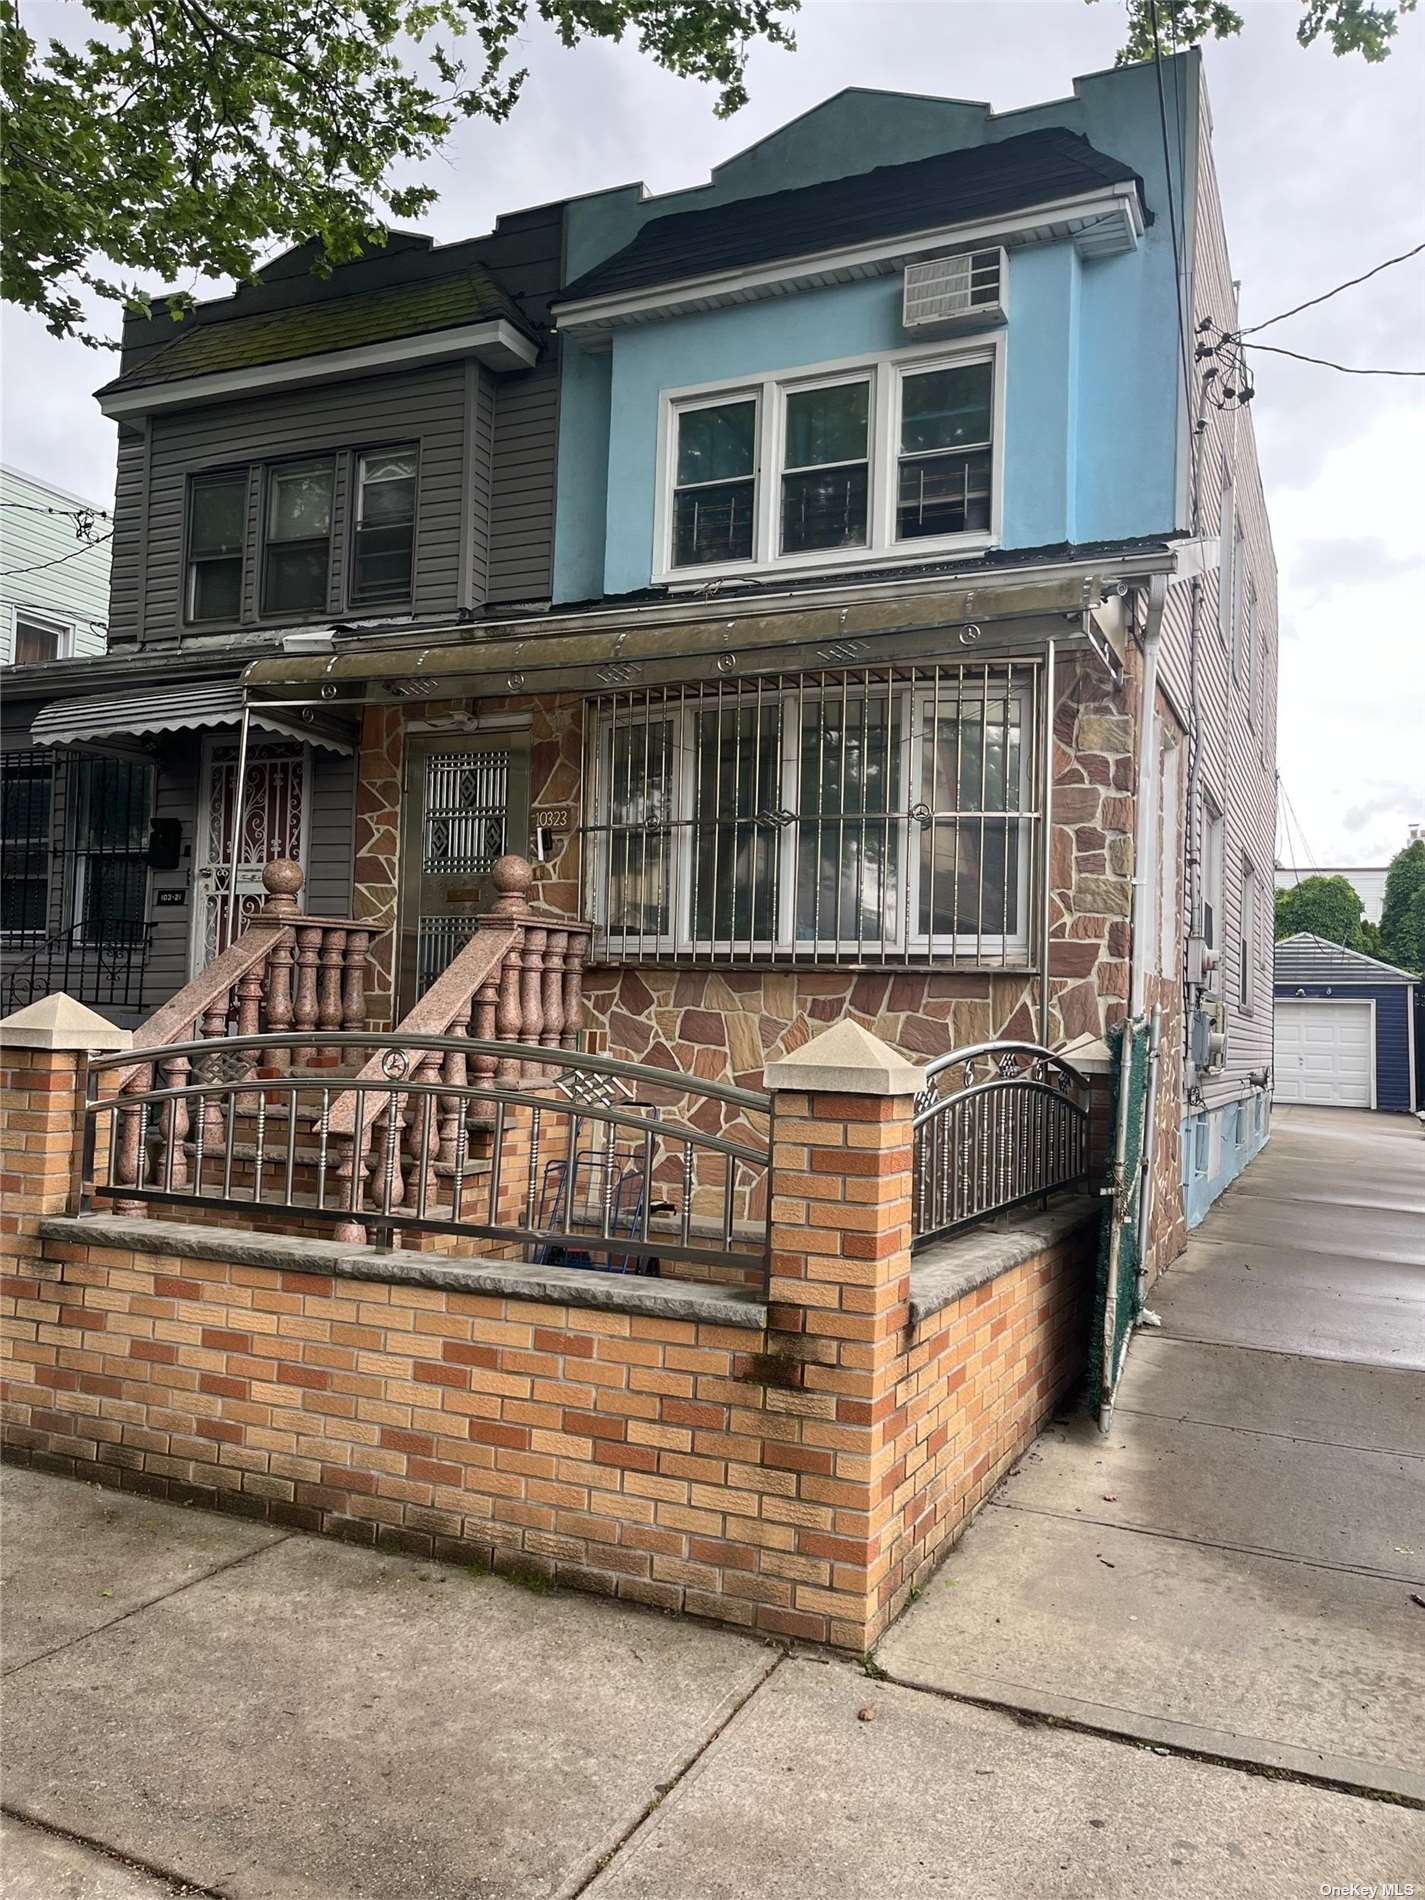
{"x": 44, "y": 571}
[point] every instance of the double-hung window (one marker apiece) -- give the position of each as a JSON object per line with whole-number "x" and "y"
{"x": 860, "y": 817}
{"x": 715, "y": 482}
{"x": 943, "y": 471}
{"x": 876, "y": 460}
{"x": 1247, "y": 938}
{"x": 217, "y": 516}
{"x": 384, "y": 537}
{"x": 297, "y": 543}
{"x": 1211, "y": 874}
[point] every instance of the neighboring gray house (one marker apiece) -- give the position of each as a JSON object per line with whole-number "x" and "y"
{"x": 54, "y": 571}
{"x": 366, "y": 450}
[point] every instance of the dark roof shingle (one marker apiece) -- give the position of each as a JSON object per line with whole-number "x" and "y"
{"x": 1306, "y": 958}
{"x": 337, "y": 323}
{"x": 949, "y": 188}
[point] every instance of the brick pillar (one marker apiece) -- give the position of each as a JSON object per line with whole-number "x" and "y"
{"x": 41, "y": 1129}
{"x": 839, "y": 1307}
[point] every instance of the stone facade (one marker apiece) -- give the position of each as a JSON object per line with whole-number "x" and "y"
{"x": 724, "y": 1024}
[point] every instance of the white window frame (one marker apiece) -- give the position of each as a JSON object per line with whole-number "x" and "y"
{"x": 1240, "y": 589}
{"x": 885, "y": 372}
{"x": 1212, "y": 848}
{"x": 1226, "y": 557}
{"x": 1247, "y": 924}
{"x": 63, "y": 630}
{"x": 907, "y": 940}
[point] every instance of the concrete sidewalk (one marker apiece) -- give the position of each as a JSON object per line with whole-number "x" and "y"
{"x": 196, "y": 1705}
{"x": 1239, "y": 1567}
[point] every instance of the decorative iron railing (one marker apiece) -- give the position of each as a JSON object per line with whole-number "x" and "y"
{"x": 97, "y": 963}
{"x": 562, "y": 1157}
{"x": 1016, "y": 1128}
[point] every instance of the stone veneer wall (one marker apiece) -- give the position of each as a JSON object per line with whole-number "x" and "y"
{"x": 726, "y": 1024}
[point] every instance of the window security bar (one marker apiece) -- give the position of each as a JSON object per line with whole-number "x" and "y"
{"x": 875, "y": 816}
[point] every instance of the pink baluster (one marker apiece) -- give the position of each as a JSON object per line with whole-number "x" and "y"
{"x": 353, "y": 992}
{"x": 532, "y": 992}
{"x": 509, "y": 1015}
{"x": 551, "y": 1034}
{"x": 279, "y": 1004}
{"x": 574, "y": 987}
{"x": 329, "y": 984}
{"x": 173, "y": 1168}
{"x": 304, "y": 1009}
{"x": 131, "y": 1147}
{"x": 485, "y": 1017}
{"x": 249, "y": 1023}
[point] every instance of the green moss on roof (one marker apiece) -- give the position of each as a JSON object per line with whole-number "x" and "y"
{"x": 342, "y": 323}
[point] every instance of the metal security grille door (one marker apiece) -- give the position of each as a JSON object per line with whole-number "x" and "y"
{"x": 272, "y": 824}
{"x": 1324, "y": 1052}
{"x": 465, "y": 804}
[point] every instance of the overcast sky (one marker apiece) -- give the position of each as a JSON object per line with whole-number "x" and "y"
{"x": 1322, "y": 169}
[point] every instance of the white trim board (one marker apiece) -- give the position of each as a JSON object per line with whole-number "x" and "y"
{"x": 499, "y": 345}
{"x": 1100, "y": 224}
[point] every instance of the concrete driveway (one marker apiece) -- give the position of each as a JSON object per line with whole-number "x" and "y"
{"x": 1238, "y": 1568}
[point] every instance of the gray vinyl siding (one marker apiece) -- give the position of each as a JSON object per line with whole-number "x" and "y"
{"x": 527, "y": 254}
{"x": 522, "y": 515}
{"x": 427, "y": 407}
{"x": 1237, "y": 755}
{"x": 126, "y": 548}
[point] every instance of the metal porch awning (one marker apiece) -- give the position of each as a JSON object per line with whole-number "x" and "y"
{"x": 647, "y": 647}
{"x": 116, "y": 717}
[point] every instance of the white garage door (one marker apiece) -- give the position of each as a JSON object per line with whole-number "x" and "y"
{"x": 1323, "y": 1053}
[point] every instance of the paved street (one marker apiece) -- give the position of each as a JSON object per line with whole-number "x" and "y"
{"x": 195, "y": 1704}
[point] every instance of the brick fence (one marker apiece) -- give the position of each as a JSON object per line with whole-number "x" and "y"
{"x": 792, "y": 1465}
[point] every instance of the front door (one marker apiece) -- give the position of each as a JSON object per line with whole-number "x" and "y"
{"x": 272, "y": 824}
{"x": 465, "y": 803}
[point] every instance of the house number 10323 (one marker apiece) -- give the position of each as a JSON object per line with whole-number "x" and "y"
{"x": 552, "y": 817}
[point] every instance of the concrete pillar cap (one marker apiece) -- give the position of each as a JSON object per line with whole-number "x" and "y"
{"x": 58, "y": 1022}
{"x": 846, "y": 1060}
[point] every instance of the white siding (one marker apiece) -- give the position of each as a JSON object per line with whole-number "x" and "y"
{"x": 71, "y": 592}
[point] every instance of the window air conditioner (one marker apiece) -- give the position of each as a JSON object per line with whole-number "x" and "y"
{"x": 969, "y": 288}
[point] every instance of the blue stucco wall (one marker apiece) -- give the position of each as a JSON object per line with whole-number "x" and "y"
{"x": 1393, "y": 1003}
{"x": 1217, "y": 1144}
{"x": 1092, "y": 399}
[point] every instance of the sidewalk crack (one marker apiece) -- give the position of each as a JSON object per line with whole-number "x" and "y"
{"x": 178, "y": 1884}
{"x": 149, "y": 1603}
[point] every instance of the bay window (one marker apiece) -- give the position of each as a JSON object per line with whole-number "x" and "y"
{"x": 869, "y": 817}
{"x": 851, "y": 461}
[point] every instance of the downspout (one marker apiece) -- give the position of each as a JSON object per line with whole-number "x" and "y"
{"x": 1145, "y": 866}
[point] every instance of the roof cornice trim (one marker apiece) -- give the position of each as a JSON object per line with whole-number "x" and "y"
{"x": 497, "y": 344}
{"x": 1101, "y": 223}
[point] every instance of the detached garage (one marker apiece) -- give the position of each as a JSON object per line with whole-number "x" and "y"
{"x": 1344, "y": 1027}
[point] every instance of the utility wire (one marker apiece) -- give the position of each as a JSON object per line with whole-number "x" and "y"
{"x": 1349, "y": 284}
{"x": 59, "y": 560}
{"x": 1172, "y": 211}
{"x": 1324, "y": 362}
{"x": 70, "y": 514}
